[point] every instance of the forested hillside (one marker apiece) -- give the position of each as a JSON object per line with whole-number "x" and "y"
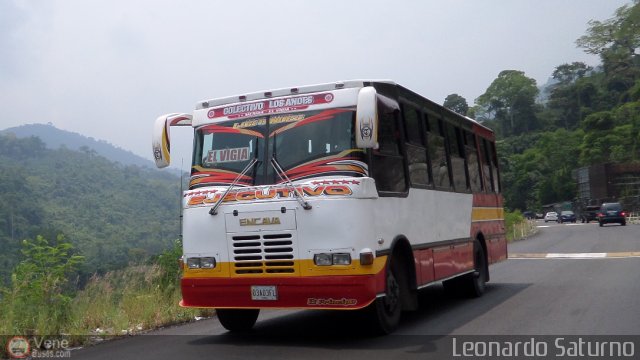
{"x": 55, "y": 138}
{"x": 113, "y": 214}
{"x": 588, "y": 115}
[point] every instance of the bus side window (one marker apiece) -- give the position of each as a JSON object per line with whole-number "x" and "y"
{"x": 456, "y": 152}
{"x": 387, "y": 162}
{"x": 416, "y": 152}
{"x": 437, "y": 153}
{"x": 486, "y": 166}
{"x": 494, "y": 168}
{"x": 473, "y": 165}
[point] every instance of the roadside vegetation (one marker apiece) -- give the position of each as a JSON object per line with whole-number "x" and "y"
{"x": 517, "y": 227}
{"x": 42, "y": 299}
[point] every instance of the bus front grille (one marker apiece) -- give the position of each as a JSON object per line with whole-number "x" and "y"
{"x": 263, "y": 253}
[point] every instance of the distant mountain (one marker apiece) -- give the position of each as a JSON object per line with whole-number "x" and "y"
{"x": 54, "y": 138}
{"x": 114, "y": 214}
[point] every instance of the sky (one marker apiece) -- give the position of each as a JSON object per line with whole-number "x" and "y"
{"x": 107, "y": 68}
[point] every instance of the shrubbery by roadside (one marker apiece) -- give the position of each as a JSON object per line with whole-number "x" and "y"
{"x": 518, "y": 227}
{"x": 42, "y": 299}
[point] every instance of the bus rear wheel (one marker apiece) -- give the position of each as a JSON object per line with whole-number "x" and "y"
{"x": 386, "y": 310}
{"x": 238, "y": 320}
{"x": 475, "y": 283}
{"x": 471, "y": 285}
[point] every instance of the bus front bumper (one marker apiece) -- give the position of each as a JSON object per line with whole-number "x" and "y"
{"x": 321, "y": 292}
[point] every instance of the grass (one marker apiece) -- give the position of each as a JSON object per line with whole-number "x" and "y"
{"x": 517, "y": 227}
{"x": 118, "y": 303}
{"x": 125, "y": 302}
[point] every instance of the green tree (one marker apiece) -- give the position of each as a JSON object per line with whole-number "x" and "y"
{"x": 616, "y": 40}
{"x": 509, "y": 104}
{"x": 612, "y": 136}
{"x": 168, "y": 280}
{"x": 456, "y": 103}
{"x": 542, "y": 173}
{"x": 569, "y": 94}
{"x": 39, "y": 296}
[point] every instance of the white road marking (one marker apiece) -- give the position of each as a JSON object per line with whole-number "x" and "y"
{"x": 611, "y": 255}
{"x": 577, "y": 256}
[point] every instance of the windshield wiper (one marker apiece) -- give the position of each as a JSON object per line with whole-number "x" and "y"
{"x": 305, "y": 205}
{"x": 214, "y": 209}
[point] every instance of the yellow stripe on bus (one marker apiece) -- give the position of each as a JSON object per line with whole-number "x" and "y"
{"x": 304, "y": 267}
{"x": 487, "y": 213}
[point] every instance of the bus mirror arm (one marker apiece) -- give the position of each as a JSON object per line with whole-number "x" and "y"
{"x": 214, "y": 209}
{"x": 283, "y": 176}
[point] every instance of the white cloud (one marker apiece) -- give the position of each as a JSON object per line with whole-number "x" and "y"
{"x": 107, "y": 69}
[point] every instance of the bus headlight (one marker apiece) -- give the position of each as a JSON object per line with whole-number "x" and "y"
{"x": 193, "y": 263}
{"x": 207, "y": 263}
{"x": 322, "y": 259}
{"x": 341, "y": 259}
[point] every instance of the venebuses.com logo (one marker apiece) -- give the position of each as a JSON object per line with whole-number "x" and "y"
{"x": 20, "y": 347}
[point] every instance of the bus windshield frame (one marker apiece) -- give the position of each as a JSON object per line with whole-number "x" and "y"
{"x": 305, "y": 144}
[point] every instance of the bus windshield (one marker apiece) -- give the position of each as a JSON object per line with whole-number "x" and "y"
{"x": 305, "y": 144}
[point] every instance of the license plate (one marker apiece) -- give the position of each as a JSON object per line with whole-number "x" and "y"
{"x": 264, "y": 292}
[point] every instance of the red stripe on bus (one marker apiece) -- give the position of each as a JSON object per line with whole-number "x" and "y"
{"x": 326, "y": 292}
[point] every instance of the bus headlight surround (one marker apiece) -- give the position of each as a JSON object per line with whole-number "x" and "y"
{"x": 201, "y": 263}
{"x": 328, "y": 259}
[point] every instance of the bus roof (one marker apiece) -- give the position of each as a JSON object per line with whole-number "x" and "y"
{"x": 266, "y": 94}
{"x": 258, "y": 95}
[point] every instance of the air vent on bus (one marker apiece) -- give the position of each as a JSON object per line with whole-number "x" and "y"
{"x": 263, "y": 254}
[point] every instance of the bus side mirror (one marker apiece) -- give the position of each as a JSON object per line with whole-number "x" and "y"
{"x": 367, "y": 119}
{"x": 161, "y": 140}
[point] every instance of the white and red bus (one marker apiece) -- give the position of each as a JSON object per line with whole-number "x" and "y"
{"x": 347, "y": 195}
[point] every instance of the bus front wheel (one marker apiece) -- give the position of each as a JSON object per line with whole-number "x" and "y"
{"x": 386, "y": 310}
{"x": 238, "y": 319}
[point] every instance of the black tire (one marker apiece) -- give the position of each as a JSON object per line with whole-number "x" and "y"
{"x": 385, "y": 311}
{"x": 600, "y": 222}
{"x": 471, "y": 285}
{"x": 238, "y": 320}
{"x": 475, "y": 284}
{"x": 623, "y": 223}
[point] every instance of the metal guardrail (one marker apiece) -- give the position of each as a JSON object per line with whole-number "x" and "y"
{"x": 633, "y": 218}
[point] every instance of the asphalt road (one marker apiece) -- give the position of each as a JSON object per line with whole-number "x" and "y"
{"x": 566, "y": 280}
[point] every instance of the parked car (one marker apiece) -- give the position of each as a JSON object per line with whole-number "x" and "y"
{"x": 567, "y": 216}
{"x": 551, "y": 216}
{"x": 589, "y": 213}
{"x": 530, "y": 215}
{"x": 611, "y": 213}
